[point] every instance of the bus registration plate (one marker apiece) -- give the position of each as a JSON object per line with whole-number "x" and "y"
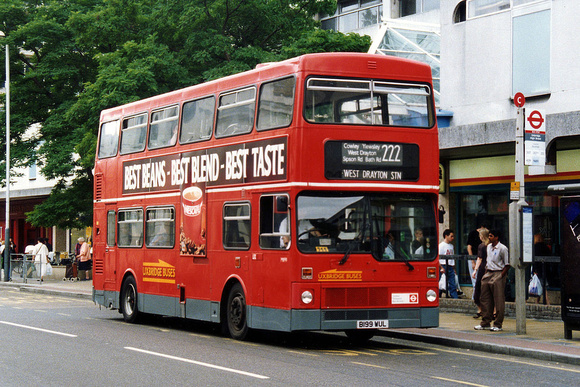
{"x": 372, "y": 324}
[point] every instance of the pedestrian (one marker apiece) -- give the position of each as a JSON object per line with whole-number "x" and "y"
{"x": 48, "y": 244}
{"x": 448, "y": 265}
{"x": 40, "y": 254}
{"x": 78, "y": 246}
{"x": 479, "y": 270}
{"x": 12, "y": 247}
{"x": 84, "y": 258}
{"x": 473, "y": 242}
{"x": 493, "y": 284}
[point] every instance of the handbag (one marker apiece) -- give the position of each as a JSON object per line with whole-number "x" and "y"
{"x": 443, "y": 282}
{"x": 48, "y": 269}
{"x": 535, "y": 287}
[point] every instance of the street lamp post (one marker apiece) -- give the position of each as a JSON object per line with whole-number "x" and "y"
{"x": 7, "y": 226}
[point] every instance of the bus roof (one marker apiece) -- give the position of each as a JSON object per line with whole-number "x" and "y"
{"x": 341, "y": 64}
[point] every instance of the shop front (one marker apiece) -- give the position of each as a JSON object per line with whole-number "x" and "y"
{"x": 479, "y": 194}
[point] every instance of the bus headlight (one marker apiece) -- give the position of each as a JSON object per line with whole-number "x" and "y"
{"x": 431, "y": 295}
{"x": 307, "y": 297}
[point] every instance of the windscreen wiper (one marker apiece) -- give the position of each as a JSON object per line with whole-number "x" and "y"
{"x": 406, "y": 259}
{"x": 347, "y": 252}
{"x": 353, "y": 243}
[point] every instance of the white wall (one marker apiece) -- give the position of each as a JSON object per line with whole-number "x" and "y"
{"x": 476, "y": 64}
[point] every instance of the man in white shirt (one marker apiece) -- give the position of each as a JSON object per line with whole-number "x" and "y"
{"x": 448, "y": 266}
{"x": 493, "y": 284}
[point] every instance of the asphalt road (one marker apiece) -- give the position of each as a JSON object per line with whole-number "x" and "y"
{"x": 51, "y": 340}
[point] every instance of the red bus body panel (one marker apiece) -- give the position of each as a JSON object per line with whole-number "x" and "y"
{"x": 173, "y": 284}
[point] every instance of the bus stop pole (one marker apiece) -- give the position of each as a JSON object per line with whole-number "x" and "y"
{"x": 7, "y": 217}
{"x": 515, "y": 221}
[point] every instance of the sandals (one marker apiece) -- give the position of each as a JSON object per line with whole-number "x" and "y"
{"x": 477, "y": 315}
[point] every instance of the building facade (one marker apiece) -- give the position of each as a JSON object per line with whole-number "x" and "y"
{"x": 29, "y": 188}
{"x": 489, "y": 50}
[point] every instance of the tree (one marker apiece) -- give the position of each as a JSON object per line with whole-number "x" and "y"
{"x": 73, "y": 58}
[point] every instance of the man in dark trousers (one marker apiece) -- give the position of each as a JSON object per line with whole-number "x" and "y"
{"x": 493, "y": 284}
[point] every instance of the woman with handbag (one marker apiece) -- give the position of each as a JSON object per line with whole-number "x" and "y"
{"x": 40, "y": 254}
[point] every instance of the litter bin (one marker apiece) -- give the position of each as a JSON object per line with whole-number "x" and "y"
{"x": 570, "y": 263}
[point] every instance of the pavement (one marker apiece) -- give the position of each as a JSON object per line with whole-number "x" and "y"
{"x": 543, "y": 340}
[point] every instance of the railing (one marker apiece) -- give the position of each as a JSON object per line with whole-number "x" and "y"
{"x": 22, "y": 265}
{"x": 542, "y": 260}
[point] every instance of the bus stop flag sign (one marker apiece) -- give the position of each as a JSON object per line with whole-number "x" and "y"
{"x": 535, "y": 137}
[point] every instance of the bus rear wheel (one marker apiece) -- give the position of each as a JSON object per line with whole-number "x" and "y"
{"x": 129, "y": 300}
{"x": 236, "y": 313}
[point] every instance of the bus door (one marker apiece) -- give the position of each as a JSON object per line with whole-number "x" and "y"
{"x": 270, "y": 263}
{"x": 110, "y": 247}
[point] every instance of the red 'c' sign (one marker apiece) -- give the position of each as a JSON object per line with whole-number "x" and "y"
{"x": 519, "y": 100}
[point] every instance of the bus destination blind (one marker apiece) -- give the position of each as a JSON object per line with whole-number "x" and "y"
{"x": 377, "y": 161}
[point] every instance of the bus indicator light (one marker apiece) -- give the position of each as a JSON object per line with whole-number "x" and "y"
{"x": 432, "y": 272}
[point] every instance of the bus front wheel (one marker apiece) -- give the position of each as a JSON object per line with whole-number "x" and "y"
{"x": 236, "y": 313}
{"x": 129, "y": 300}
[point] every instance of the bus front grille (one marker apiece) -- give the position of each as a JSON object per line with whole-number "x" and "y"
{"x": 354, "y": 297}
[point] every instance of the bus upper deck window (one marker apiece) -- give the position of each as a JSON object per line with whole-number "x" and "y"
{"x": 276, "y": 104}
{"x": 133, "y": 134}
{"x": 197, "y": 120}
{"x": 163, "y": 131}
{"x": 109, "y": 139}
{"x": 368, "y": 102}
{"x": 236, "y": 112}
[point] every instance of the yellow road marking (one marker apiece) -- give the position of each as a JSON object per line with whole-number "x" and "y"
{"x": 202, "y": 336}
{"x": 303, "y": 353}
{"x": 345, "y": 352}
{"x": 243, "y": 343}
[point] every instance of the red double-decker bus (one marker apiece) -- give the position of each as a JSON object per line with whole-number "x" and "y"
{"x": 301, "y": 195}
